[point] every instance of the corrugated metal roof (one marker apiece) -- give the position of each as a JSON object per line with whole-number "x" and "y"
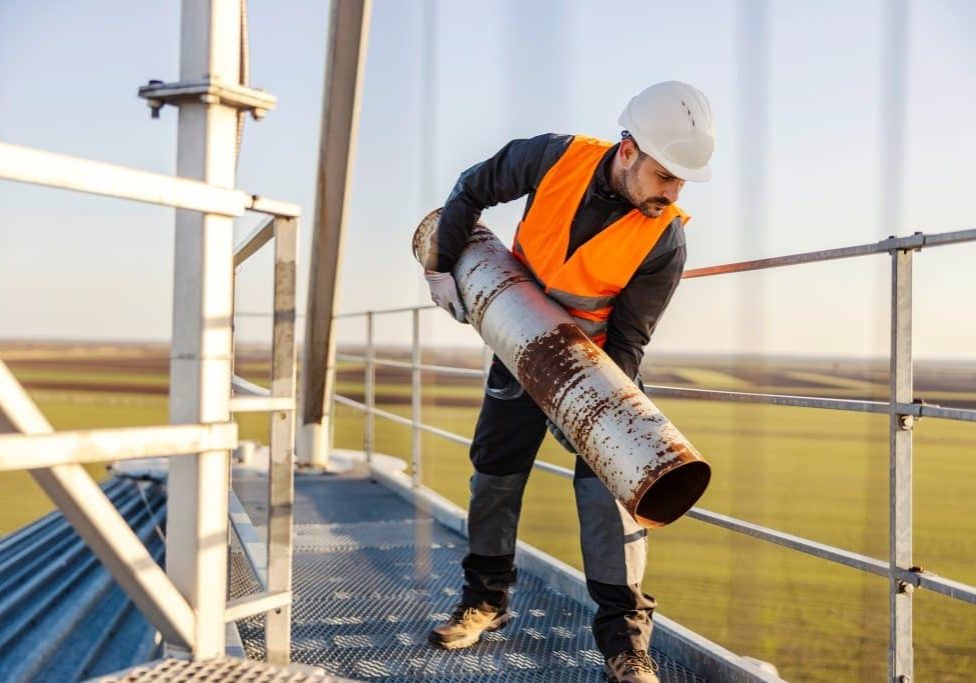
{"x": 62, "y": 616}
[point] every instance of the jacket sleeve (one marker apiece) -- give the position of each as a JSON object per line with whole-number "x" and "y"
{"x": 516, "y": 170}
{"x": 640, "y": 305}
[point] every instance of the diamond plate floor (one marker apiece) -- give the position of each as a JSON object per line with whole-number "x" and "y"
{"x": 372, "y": 575}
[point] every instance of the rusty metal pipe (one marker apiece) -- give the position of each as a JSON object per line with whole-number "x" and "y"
{"x": 644, "y": 460}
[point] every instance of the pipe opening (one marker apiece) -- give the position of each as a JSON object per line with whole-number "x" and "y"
{"x": 673, "y": 493}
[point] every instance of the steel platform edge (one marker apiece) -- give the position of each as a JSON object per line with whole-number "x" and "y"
{"x": 686, "y": 647}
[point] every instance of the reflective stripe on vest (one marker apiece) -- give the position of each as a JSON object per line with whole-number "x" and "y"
{"x": 588, "y": 283}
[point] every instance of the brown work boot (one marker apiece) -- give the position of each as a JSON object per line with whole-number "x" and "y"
{"x": 466, "y": 625}
{"x": 631, "y": 666}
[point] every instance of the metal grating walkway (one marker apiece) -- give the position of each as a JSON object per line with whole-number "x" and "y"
{"x": 213, "y": 671}
{"x": 372, "y": 576}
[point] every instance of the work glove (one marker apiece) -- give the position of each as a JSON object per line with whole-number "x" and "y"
{"x": 558, "y": 435}
{"x": 444, "y": 293}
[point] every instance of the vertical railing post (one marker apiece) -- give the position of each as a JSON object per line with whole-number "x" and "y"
{"x": 900, "y": 654}
{"x": 281, "y": 490}
{"x": 368, "y": 423}
{"x": 415, "y": 377}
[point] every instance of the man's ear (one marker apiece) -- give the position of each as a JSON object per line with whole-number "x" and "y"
{"x": 627, "y": 153}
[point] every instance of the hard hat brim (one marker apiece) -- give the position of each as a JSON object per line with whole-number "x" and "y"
{"x": 695, "y": 175}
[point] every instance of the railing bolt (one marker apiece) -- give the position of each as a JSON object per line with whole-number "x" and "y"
{"x": 906, "y": 422}
{"x": 905, "y": 587}
{"x": 154, "y": 105}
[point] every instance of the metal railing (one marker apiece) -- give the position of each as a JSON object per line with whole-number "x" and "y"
{"x": 272, "y": 562}
{"x": 187, "y": 603}
{"x": 54, "y": 457}
{"x": 903, "y": 410}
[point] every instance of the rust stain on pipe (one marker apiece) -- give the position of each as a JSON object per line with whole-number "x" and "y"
{"x": 628, "y": 443}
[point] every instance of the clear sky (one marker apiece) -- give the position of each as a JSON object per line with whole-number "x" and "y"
{"x": 796, "y": 87}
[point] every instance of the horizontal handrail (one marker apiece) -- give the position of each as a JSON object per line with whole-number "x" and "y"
{"x": 916, "y": 577}
{"x": 937, "y": 584}
{"x": 403, "y": 309}
{"x": 441, "y": 369}
{"x": 261, "y": 404}
{"x": 260, "y": 314}
{"x": 273, "y": 207}
{"x": 656, "y": 390}
{"x": 399, "y": 419}
{"x": 926, "y": 410}
{"x": 248, "y": 388}
{"x": 260, "y": 236}
{"x": 37, "y": 451}
{"x": 861, "y": 406}
{"x": 40, "y": 167}
{"x": 241, "y": 608}
{"x": 915, "y": 242}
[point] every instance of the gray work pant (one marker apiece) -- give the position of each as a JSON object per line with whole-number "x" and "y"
{"x": 510, "y": 430}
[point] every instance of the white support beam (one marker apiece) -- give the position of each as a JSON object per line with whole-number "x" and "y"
{"x": 39, "y": 167}
{"x": 96, "y": 520}
{"x": 261, "y": 404}
{"x": 253, "y": 242}
{"x": 274, "y": 207}
{"x": 37, "y": 451}
{"x": 248, "y": 388}
{"x": 345, "y": 60}
{"x": 243, "y": 608}
{"x": 200, "y": 365}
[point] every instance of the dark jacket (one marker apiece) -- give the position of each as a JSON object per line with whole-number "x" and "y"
{"x": 516, "y": 170}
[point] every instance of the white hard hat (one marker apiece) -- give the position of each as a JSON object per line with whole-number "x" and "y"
{"x": 672, "y": 122}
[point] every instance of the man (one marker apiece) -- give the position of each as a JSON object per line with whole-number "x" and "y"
{"x": 602, "y": 235}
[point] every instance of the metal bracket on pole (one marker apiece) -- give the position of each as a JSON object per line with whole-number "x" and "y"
{"x": 210, "y": 90}
{"x": 913, "y": 242}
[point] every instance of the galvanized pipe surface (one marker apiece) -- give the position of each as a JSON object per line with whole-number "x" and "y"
{"x": 642, "y": 458}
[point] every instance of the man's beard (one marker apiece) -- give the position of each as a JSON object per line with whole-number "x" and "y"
{"x": 650, "y": 207}
{"x": 653, "y": 207}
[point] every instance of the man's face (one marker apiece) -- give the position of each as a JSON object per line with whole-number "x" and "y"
{"x": 645, "y": 183}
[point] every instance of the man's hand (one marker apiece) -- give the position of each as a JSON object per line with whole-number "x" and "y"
{"x": 444, "y": 293}
{"x": 558, "y": 435}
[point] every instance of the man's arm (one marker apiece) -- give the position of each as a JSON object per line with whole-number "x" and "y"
{"x": 516, "y": 170}
{"x": 640, "y": 304}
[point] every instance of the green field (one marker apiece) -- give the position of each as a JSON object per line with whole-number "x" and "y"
{"x": 819, "y": 474}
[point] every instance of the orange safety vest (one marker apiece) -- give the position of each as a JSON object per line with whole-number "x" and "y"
{"x": 588, "y": 283}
